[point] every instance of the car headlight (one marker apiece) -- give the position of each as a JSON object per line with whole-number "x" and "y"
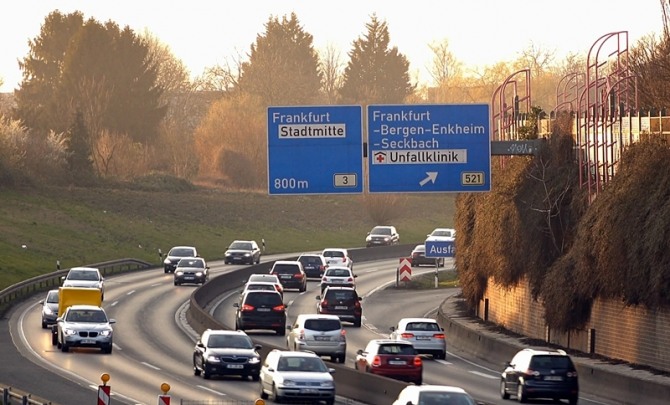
{"x": 386, "y": 239}
{"x": 247, "y": 254}
{"x": 289, "y": 383}
{"x": 106, "y": 332}
{"x": 179, "y": 273}
{"x": 198, "y": 274}
{"x": 254, "y": 360}
{"x": 227, "y": 253}
{"x": 69, "y": 332}
{"x": 367, "y": 238}
{"x": 166, "y": 261}
{"x": 213, "y": 359}
{"x": 48, "y": 311}
{"x": 327, "y": 384}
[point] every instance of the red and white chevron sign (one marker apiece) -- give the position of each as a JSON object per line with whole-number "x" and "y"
{"x": 405, "y": 269}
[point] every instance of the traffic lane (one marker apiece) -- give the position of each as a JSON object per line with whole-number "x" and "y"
{"x": 149, "y": 348}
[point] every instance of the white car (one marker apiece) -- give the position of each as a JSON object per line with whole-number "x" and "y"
{"x": 84, "y": 326}
{"x": 426, "y": 335}
{"x": 434, "y": 394}
{"x": 338, "y": 257}
{"x": 318, "y": 333}
{"x": 85, "y": 277}
{"x": 442, "y": 234}
{"x": 266, "y": 278}
{"x": 338, "y": 276}
{"x": 301, "y": 376}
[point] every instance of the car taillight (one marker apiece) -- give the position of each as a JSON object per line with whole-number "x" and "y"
{"x": 247, "y": 307}
{"x": 278, "y": 287}
{"x": 301, "y": 335}
{"x": 299, "y": 275}
{"x": 278, "y": 308}
{"x": 407, "y": 335}
{"x": 343, "y": 335}
{"x": 439, "y": 336}
{"x": 417, "y": 361}
{"x": 357, "y": 304}
{"x": 350, "y": 279}
{"x": 324, "y": 303}
{"x": 324, "y": 280}
{"x": 376, "y": 361}
{"x": 572, "y": 374}
{"x": 532, "y": 373}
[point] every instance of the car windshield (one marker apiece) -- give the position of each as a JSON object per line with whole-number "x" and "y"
{"x": 261, "y": 286}
{"x": 550, "y": 362}
{"x": 307, "y": 364}
{"x": 86, "y": 315}
{"x": 323, "y": 325}
{"x": 82, "y": 275}
{"x": 380, "y": 230}
{"x": 181, "y": 252}
{"x": 230, "y": 341}
{"x": 340, "y": 295}
{"x": 310, "y": 260}
{"x": 285, "y": 269}
{"x": 191, "y": 263}
{"x": 263, "y": 277}
{"x": 52, "y": 297}
{"x": 333, "y": 253}
{"x": 338, "y": 273}
{"x": 263, "y": 299}
{"x": 445, "y": 398}
{"x": 419, "y": 326}
{"x": 396, "y": 349}
{"x": 240, "y": 246}
{"x": 442, "y": 233}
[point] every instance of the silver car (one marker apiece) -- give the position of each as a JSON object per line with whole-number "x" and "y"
{"x": 318, "y": 333}
{"x": 426, "y": 335}
{"x": 296, "y": 376}
{"x": 85, "y": 277}
{"x": 85, "y": 326}
{"x": 49, "y": 309}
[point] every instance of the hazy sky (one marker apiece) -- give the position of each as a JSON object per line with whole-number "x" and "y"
{"x": 203, "y": 33}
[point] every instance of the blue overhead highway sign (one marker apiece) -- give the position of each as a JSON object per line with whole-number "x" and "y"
{"x": 315, "y": 150}
{"x": 429, "y": 148}
{"x": 440, "y": 248}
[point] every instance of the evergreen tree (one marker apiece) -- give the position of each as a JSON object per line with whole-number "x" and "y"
{"x": 283, "y": 67}
{"x": 375, "y": 73}
{"x": 79, "y": 159}
{"x": 103, "y": 71}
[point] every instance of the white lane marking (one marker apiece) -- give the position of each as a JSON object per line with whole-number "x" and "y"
{"x": 150, "y": 365}
{"x": 211, "y": 390}
{"x": 492, "y": 377}
{"x": 131, "y": 292}
{"x": 114, "y": 303}
{"x": 446, "y": 363}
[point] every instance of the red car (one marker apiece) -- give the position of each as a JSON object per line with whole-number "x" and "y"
{"x": 391, "y": 358}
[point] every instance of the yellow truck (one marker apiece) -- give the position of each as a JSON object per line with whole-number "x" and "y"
{"x": 68, "y": 296}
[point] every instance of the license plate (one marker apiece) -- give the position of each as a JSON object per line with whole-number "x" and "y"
{"x": 309, "y": 391}
{"x": 238, "y": 366}
{"x": 263, "y": 309}
{"x": 188, "y": 278}
{"x": 423, "y": 338}
{"x": 341, "y": 307}
{"x": 321, "y": 338}
{"x": 88, "y": 341}
{"x": 285, "y": 276}
{"x": 397, "y": 362}
{"x": 553, "y": 378}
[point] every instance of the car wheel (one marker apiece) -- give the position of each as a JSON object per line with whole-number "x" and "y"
{"x": 255, "y": 377}
{"x": 330, "y": 401}
{"x": 107, "y": 349}
{"x": 275, "y": 395}
{"x": 54, "y": 338}
{"x": 196, "y": 371}
{"x": 521, "y": 393}
{"x": 44, "y": 325}
{"x": 573, "y": 400}
{"x": 342, "y": 358}
{"x": 503, "y": 391}
{"x": 281, "y": 332}
{"x": 176, "y": 283}
{"x": 206, "y": 374}
{"x": 264, "y": 395}
{"x": 64, "y": 348}
{"x": 419, "y": 381}
{"x": 357, "y": 322}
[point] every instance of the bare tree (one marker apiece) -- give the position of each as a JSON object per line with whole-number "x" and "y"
{"x": 331, "y": 67}
{"x": 445, "y": 65}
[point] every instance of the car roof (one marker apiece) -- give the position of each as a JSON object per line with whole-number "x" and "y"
{"x": 334, "y": 250}
{"x": 295, "y": 262}
{"x": 83, "y": 306}
{"x": 317, "y": 316}
{"x": 225, "y": 332}
{"x": 295, "y": 353}
{"x": 410, "y": 320}
{"x": 263, "y": 275}
{"x": 434, "y": 388}
{"x": 391, "y": 341}
{"x": 546, "y": 352}
{"x": 85, "y": 268}
{"x": 182, "y": 247}
{"x": 332, "y": 287}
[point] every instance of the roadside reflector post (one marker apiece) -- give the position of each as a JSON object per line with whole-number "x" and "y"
{"x": 104, "y": 390}
{"x": 164, "y": 399}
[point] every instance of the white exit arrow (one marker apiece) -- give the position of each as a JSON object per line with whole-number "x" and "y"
{"x": 432, "y": 176}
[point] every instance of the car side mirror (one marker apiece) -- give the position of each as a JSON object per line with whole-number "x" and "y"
{"x": 359, "y": 351}
{"x": 331, "y": 370}
{"x": 289, "y": 327}
{"x": 200, "y": 344}
{"x": 318, "y": 297}
{"x": 258, "y": 347}
{"x": 392, "y": 328}
{"x": 355, "y": 275}
{"x": 111, "y": 321}
{"x": 360, "y": 298}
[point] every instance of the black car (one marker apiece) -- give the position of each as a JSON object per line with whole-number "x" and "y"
{"x": 314, "y": 264}
{"x": 263, "y": 310}
{"x": 540, "y": 374}
{"x": 343, "y": 302}
{"x": 382, "y": 236}
{"x": 191, "y": 270}
{"x": 243, "y": 252}
{"x": 418, "y": 257}
{"x": 290, "y": 274}
{"x": 176, "y": 254}
{"x": 226, "y": 352}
